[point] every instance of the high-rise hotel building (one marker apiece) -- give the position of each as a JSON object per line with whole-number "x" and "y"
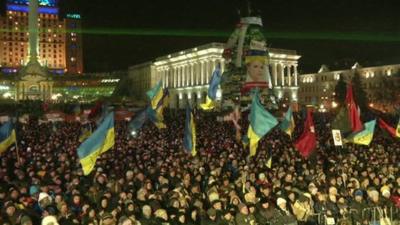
{"x": 60, "y": 39}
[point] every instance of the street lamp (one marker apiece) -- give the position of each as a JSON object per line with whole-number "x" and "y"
{"x": 334, "y": 104}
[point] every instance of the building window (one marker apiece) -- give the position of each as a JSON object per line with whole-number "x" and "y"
{"x": 389, "y": 72}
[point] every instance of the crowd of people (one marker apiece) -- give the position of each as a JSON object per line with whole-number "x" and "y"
{"x": 150, "y": 179}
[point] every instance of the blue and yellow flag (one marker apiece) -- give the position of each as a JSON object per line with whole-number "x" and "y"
{"x": 158, "y": 117}
{"x": 261, "y": 122}
{"x": 189, "y": 138}
{"x": 99, "y": 142}
{"x": 137, "y": 122}
{"x": 212, "y": 89}
{"x": 287, "y": 125}
{"x": 7, "y": 136}
{"x": 155, "y": 94}
{"x": 365, "y": 136}
{"x": 85, "y": 133}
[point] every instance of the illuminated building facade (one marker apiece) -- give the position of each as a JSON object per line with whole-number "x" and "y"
{"x": 187, "y": 73}
{"x": 318, "y": 89}
{"x": 60, "y": 41}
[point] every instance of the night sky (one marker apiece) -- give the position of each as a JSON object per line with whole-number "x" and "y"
{"x": 370, "y": 29}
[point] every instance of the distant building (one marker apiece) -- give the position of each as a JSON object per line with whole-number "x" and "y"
{"x": 318, "y": 89}
{"x": 188, "y": 72}
{"x": 60, "y": 39}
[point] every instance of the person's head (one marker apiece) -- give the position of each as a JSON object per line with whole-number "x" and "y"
{"x": 10, "y": 209}
{"x": 281, "y": 203}
{"x": 212, "y": 213}
{"x": 25, "y": 220}
{"x": 235, "y": 201}
{"x": 49, "y": 220}
{"x": 146, "y": 210}
{"x": 162, "y": 214}
{"x": 243, "y": 209}
{"x": 292, "y": 196}
{"x": 108, "y": 219}
{"x": 228, "y": 215}
{"x": 127, "y": 221}
{"x": 255, "y": 70}
{"x": 252, "y": 208}
{"x": 217, "y": 205}
{"x": 181, "y": 218}
{"x": 193, "y": 214}
{"x": 104, "y": 202}
{"x": 76, "y": 199}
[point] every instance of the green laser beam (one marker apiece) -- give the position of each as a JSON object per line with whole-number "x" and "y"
{"x": 291, "y": 35}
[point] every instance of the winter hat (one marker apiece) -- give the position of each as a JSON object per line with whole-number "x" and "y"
{"x": 385, "y": 190}
{"x": 213, "y": 196}
{"x": 373, "y": 193}
{"x": 49, "y": 220}
{"x": 280, "y": 201}
{"x": 250, "y": 198}
{"x": 33, "y": 190}
{"x": 43, "y": 195}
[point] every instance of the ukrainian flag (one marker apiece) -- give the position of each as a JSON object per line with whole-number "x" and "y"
{"x": 7, "y": 136}
{"x": 155, "y": 94}
{"x": 86, "y": 132}
{"x": 212, "y": 89}
{"x": 288, "y": 124}
{"x": 158, "y": 119}
{"x": 261, "y": 122}
{"x": 365, "y": 136}
{"x": 136, "y": 124}
{"x": 99, "y": 142}
{"x": 189, "y": 139}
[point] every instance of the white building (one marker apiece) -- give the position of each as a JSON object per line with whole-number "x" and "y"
{"x": 187, "y": 73}
{"x": 318, "y": 89}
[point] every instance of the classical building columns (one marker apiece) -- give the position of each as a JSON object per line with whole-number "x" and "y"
{"x": 191, "y": 74}
{"x": 202, "y": 72}
{"x": 175, "y": 76}
{"x": 282, "y": 74}
{"x": 275, "y": 73}
{"x": 295, "y": 74}
{"x": 289, "y": 75}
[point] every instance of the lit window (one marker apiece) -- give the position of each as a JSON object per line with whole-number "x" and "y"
{"x": 389, "y": 72}
{"x": 73, "y": 59}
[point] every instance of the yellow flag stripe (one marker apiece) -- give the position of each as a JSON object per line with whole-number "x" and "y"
{"x": 8, "y": 142}
{"x": 210, "y": 104}
{"x": 89, "y": 162}
{"x": 254, "y": 138}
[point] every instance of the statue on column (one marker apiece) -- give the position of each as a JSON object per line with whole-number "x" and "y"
{"x": 246, "y": 70}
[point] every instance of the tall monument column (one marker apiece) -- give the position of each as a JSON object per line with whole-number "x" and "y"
{"x": 33, "y": 81}
{"x": 33, "y": 30}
